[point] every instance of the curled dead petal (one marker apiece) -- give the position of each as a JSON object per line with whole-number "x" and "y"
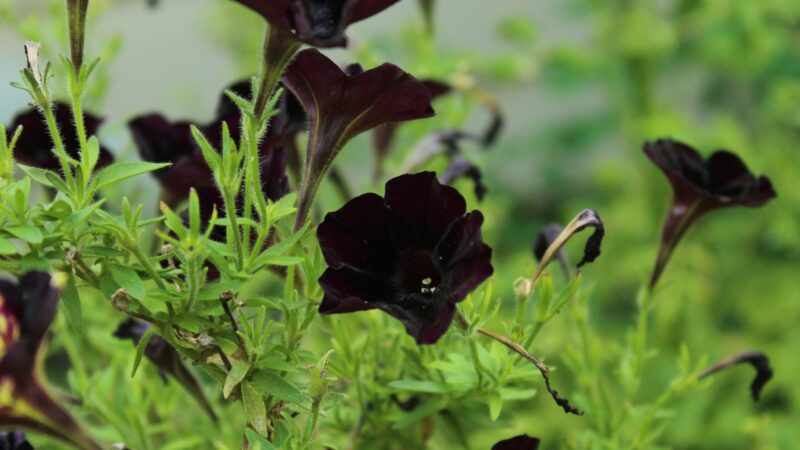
{"x": 757, "y": 359}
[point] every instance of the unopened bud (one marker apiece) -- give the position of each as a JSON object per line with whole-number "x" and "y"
{"x": 121, "y": 300}
{"x": 523, "y": 287}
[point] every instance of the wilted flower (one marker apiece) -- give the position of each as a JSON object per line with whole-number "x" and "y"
{"x": 699, "y": 186}
{"x": 521, "y": 442}
{"x": 26, "y": 311}
{"x": 755, "y": 358}
{"x": 413, "y": 254}
{"x": 341, "y": 105}
{"x": 165, "y": 358}
{"x": 34, "y": 147}
{"x": 14, "y": 440}
{"x": 317, "y": 23}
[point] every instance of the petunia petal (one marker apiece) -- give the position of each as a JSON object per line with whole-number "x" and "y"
{"x": 423, "y": 208}
{"x": 356, "y": 236}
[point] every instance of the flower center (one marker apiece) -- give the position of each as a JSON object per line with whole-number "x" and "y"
{"x": 9, "y": 330}
{"x": 420, "y": 274}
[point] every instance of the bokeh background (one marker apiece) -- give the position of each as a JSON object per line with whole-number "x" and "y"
{"x": 582, "y": 85}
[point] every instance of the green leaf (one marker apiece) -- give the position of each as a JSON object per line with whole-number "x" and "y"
{"x": 42, "y": 176}
{"x": 254, "y": 408}
{"x": 7, "y": 247}
{"x": 235, "y": 376}
{"x": 213, "y": 291}
{"x": 268, "y": 383}
{"x": 495, "y": 402}
{"x": 128, "y": 279}
{"x": 123, "y": 170}
{"x": 141, "y": 347}
{"x": 257, "y": 442}
{"x": 71, "y": 301}
{"x": 211, "y": 156}
{"x": 27, "y": 233}
{"x": 94, "y": 151}
{"x": 429, "y": 387}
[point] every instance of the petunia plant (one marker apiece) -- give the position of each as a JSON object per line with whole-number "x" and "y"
{"x": 290, "y": 323}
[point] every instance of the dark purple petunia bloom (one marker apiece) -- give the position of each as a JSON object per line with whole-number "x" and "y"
{"x": 14, "y": 440}
{"x": 701, "y": 185}
{"x": 34, "y": 147}
{"x": 26, "y": 311}
{"x": 413, "y": 254}
{"x": 341, "y": 105}
{"x": 521, "y": 442}
{"x": 165, "y": 358}
{"x": 320, "y": 23}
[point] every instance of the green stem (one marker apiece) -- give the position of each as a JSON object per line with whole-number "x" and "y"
{"x": 55, "y": 135}
{"x": 230, "y": 213}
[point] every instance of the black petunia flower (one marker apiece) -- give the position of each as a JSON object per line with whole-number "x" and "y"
{"x": 521, "y": 442}
{"x": 320, "y": 23}
{"x": 14, "y": 440}
{"x": 26, "y": 311}
{"x": 34, "y": 147}
{"x": 341, "y": 105}
{"x": 165, "y": 358}
{"x": 701, "y": 185}
{"x": 413, "y": 254}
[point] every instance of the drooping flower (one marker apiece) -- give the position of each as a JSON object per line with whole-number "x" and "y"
{"x": 34, "y": 147}
{"x": 701, "y": 185}
{"x": 521, "y": 442}
{"x": 341, "y": 105}
{"x": 315, "y": 22}
{"x": 26, "y": 311}
{"x": 164, "y": 356}
{"x": 413, "y": 254}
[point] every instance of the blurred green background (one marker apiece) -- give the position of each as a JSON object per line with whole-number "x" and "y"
{"x": 582, "y": 85}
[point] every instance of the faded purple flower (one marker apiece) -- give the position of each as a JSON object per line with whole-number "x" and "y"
{"x": 26, "y": 311}
{"x": 341, "y": 105}
{"x": 413, "y": 254}
{"x": 34, "y": 147}
{"x": 321, "y": 23}
{"x": 701, "y": 185}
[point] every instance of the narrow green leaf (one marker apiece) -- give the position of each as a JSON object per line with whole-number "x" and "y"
{"x": 429, "y": 387}
{"x": 254, "y": 408}
{"x": 39, "y": 175}
{"x": 27, "y": 233}
{"x": 141, "y": 347}
{"x": 211, "y": 156}
{"x": 94, "y": 151}
{"x": 495, "y": 402}
{"x": 71, "y": 301}
{"x": 7, "y": 247}
{"x": 123, "y": 170}
{"x": 257, "y": 442}
{"x": 269, "y": 383}
{"x": 128, "y": 279}
{"x": 235, "y": 376}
